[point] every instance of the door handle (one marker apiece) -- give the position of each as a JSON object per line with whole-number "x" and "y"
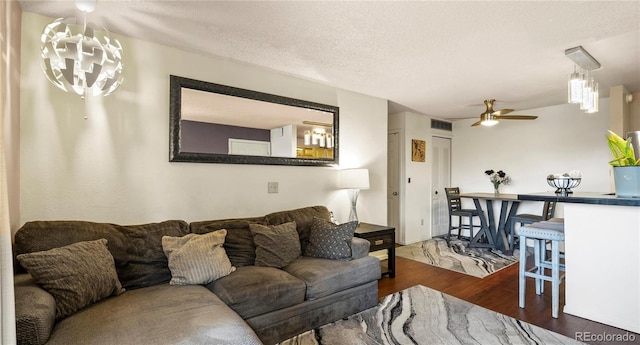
{"x": 395, "y": 193}
{"x": 436, "y": 192}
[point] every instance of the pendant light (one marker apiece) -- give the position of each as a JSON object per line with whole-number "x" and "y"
{"x": 76, "y": 58}
{"x": 581, "y": 87}
{"x": 576, "y": 84}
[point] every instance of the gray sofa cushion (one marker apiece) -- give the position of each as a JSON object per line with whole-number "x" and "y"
{"x": 239, "y": 243}
{"x": 303, "y": 218}
{"x": 285, "y": 323}
{"x": 359, "y": 247}
{"x": 253, "y": 290}
{"x": 324, "y": 276}
{"x": 137, "y": 249}
{"x": 35, "y": 311}
{"x": 161, "y": 314}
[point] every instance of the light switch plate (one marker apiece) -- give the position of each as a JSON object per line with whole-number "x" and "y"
{"x": 272, "y": 187}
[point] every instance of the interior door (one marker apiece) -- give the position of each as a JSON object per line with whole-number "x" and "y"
{"x": 393, "y": 181}
{"x": 441, "y": 178}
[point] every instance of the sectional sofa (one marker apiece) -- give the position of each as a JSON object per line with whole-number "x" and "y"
{"x": 99, "y": 283}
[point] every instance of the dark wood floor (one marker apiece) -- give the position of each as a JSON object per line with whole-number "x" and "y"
{"x": 498, "y": 292}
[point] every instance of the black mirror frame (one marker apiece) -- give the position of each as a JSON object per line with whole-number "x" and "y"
{"x": 175, "y": 100}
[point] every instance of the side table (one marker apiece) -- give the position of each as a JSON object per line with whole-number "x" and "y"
{"x": 380, "y": 237}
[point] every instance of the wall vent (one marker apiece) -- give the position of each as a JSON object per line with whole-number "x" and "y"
{"x": 443, "y": 125}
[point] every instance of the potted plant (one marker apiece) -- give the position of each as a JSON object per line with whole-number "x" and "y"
{"x": 626, "y": 167}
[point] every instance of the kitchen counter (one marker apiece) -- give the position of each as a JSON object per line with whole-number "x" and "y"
{"x": 582, "y": 198}
{"x": 602, "y": 256}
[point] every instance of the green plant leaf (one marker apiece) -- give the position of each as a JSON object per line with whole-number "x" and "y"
{"x": 622, "y": 150}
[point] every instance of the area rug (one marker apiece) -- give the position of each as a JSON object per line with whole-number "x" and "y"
{"x": 478, "y": 262}
{"x": 420, "y": 315}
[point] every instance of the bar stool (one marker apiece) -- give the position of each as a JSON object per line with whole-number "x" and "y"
{"x": 456, "y": 210}
{"x": 548, "y": 210}
{"x": 540, "y": 233}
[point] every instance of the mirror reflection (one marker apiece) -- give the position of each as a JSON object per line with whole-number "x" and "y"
{"x": 223, "y": 124}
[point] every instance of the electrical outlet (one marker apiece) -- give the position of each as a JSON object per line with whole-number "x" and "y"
{"x": 272, "y": 187}
{"x": 421, "y": 221}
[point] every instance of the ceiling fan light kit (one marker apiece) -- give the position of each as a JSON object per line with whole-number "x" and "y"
{"x": 488, "y": 120}
{"x": 582, "y": 88}
{"x": 491, "y": 117}
{"x": 489, "y": 123}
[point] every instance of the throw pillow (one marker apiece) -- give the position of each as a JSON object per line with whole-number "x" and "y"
{"x": 197, "y": 259}
{"x": 276, "y": 245}
{"x": 76, "y": 275}
{"x": 329, "y": 240}
{"x": 238, "y": 244}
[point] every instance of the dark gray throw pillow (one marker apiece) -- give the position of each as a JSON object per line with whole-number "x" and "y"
{"x": 238, "y": 244}
{"x": 76, "y": 275}
{"x": 276, "y": 245}
{"x": 329, "y": 240}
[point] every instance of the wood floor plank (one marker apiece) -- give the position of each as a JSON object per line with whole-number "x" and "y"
{"x": 497, "y": 292}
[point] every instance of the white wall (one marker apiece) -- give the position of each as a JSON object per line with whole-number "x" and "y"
{"x": 415, "y": 196}
{"x": 562, "y": 139}
{"x": 113, "y": 166}
{"x": 619, "y": 110}
{"x": 634, "y": 112}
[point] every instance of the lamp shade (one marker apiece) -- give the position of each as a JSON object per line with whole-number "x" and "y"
{"x": 353, "y": 179}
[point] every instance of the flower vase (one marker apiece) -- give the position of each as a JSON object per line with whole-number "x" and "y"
{"x": 496, "y": 189}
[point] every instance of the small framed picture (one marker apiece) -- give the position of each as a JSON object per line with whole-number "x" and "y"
{"x": 418, "y": 150}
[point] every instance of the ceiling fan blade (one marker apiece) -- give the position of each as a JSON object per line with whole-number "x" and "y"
{"x": 502, "y": 112}
{"x": 518, "y": 117}
{"x": 492, "y": 117}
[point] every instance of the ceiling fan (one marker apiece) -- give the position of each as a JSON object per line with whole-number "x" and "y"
{"x": 491, "y": 117}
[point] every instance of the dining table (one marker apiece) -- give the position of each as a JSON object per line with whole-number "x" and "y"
{"x": 493, "y": 230}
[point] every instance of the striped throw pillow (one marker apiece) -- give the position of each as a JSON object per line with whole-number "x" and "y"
{"x": 197, "y": 259}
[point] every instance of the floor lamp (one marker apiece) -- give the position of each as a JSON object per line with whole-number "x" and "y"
{"x": 353, "y": 180}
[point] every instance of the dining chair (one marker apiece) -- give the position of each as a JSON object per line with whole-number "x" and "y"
{"x": 456, "y": 210}
{"x": 548, "y": 211}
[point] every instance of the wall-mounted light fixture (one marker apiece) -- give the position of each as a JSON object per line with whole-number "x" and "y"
{"x": 582, "y": 88}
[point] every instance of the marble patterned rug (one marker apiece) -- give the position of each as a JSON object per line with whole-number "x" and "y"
{"x": 478, "y": 262}
{"x": 420, "y": 315}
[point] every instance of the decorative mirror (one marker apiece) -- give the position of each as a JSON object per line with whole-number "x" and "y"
{"x": 213, "y": 123}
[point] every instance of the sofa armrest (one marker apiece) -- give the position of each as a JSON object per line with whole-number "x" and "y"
{"x": 35, "y": 311}
{"x": 359, "y": 248}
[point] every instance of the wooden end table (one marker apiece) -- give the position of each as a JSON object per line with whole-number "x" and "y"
{"x": 380, "y": 237}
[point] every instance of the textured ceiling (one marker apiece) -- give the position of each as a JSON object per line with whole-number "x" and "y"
{"x": 440, "y": 58}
